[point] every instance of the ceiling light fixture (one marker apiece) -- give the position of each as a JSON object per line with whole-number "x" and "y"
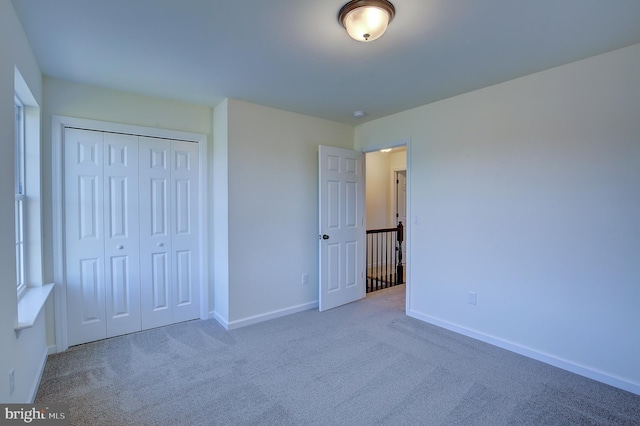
{"x": 366, "y": 20}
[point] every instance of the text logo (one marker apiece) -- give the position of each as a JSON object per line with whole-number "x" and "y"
{"x": 34, "y": 414}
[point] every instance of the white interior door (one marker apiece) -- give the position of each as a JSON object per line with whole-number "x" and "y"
{"x": 121, "y": 242}
{"x": 84, "y": 239}
{"x": 342, "y": 226}
{"x": 155, "y": 232}
{"x": 185, "y": 232}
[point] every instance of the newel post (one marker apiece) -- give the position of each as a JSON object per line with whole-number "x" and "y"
{"x": 399, "y": 266}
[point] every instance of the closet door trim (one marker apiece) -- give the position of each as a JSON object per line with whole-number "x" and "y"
{"x": 58, "y": 126}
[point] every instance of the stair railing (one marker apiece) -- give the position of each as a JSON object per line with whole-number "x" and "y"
{"x": 384, "y": 258}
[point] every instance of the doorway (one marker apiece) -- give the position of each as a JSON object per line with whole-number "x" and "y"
{"x": 345, "y": 264}
{"x": 386, "y": 217}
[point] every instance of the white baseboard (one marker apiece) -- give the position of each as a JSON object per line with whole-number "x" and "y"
{"x": 36, "y": 384}
{"x": 223, "y": 322}
{"x": 232, "y": 325}
{"x": 547, "y": 358}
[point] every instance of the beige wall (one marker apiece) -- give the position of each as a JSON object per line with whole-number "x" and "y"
{"x": 527, "y": 193}
{"x": 272, "y": 208}
{"x": 380, "y": 187}
{"x": 377, "y": 186}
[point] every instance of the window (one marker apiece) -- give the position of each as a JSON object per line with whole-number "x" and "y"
{"x": 32, "y": 292}
{"x": 20, "y": 193}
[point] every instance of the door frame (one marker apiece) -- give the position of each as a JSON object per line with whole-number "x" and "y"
{"x": 406, "y": 142}
{"x": 58, "y": 125}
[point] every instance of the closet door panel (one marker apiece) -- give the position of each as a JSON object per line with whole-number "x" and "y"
{"x": 185, "y": 230}
{"x": 84, "y": 237}
{"x": 122, "y": 248}
{"x": 155, "y": 232}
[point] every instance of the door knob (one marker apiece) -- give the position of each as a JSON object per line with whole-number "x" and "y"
{"x": 160, "y": 244}
{"x": 325, "y": 237}
{"x": 119, "y": 247}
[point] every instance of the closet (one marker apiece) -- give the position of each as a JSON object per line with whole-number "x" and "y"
{"x": 131, "y": 236}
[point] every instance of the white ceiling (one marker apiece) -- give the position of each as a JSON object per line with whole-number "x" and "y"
{"x": 294, "y": 55}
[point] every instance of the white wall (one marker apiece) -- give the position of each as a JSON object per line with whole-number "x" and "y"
{"x": 272, "y": 208}
{"x": 25, "y": 352}
{"x": 527, "y": 193}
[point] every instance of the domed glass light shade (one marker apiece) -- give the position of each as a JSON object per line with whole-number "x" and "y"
{"x": 366, "y": 20}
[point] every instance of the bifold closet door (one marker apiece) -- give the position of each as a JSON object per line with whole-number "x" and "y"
{"x": 169, "y": 240}
{"x": 101, "y": 234}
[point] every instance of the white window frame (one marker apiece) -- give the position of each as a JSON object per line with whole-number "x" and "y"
{"x": 34, "y": 293}
{"x": 20, "y": 196}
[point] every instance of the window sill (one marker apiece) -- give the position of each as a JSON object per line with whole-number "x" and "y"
{"x": 30, "y": 305}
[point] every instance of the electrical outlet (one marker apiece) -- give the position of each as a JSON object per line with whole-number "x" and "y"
{"x": 305, "y": 278}
{"x": 12, "y": 381}
{"x": 472, "y": 297}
